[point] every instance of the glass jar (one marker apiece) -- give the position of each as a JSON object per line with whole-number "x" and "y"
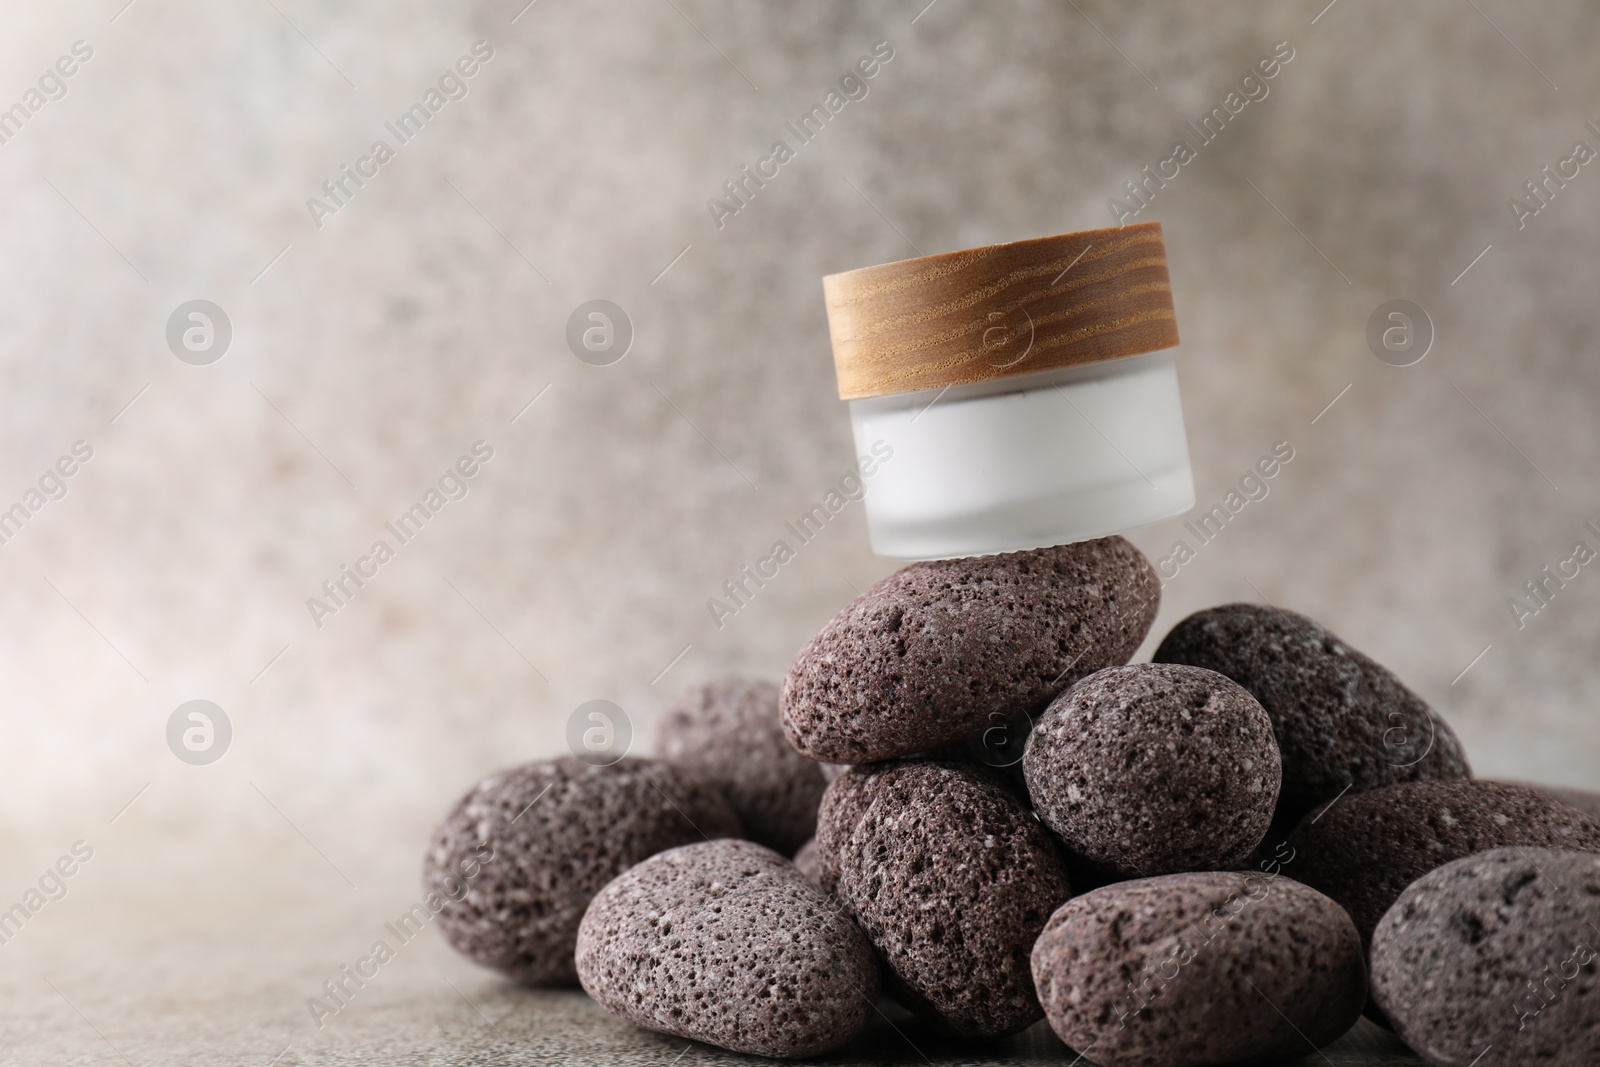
{"x": 1016, "y": 396}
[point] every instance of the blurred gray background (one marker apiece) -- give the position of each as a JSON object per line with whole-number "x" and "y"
{"x": 369, "y": 354}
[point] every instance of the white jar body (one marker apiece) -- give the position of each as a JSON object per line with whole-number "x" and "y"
{"x": 1026, "y": 462}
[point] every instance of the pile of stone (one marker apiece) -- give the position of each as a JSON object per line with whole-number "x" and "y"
{"x": 1229, "y": 853}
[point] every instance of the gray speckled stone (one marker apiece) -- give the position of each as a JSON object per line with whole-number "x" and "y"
{"x": 558, "y": 831}
{"x": 848, "y": 795}
{"x": 843, "y": 803}
{"x": 1200, "y": 968}
{"x": 1342, "y": 720}
{"x": 940, "y": 650}
{"x": 952, "y": 879}
{"x": 727, "y": 729}
{"x": 1494, "y": 960}
{"x": 725, "y": 942}
{"x": 1365, "y": 849}
{"x": 1155, "y": 768}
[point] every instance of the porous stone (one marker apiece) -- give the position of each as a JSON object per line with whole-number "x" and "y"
{"x": 725, "y": 942}
{"x": 1364, "y": 850}
{"x": 727, "y": 729}
{"x": 952, "y": 879}
{"x": 543, "y": 838}
{"x": 941, "y": 650}
{"x": 1199, "y": 968}
{"x": 847, "y": 797}
{"x": 842, "y": 805}
{"x": 1584, "y": 800}
{"x": 1155, "y": 768}
{"x": 1490, "y": 960}
{"x": 1342, "y": 720}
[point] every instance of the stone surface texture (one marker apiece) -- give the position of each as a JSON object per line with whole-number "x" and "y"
{"x": 941, "y": 650}
{"x": 726, "y": 942}
{"x": 1364, "y": 850}
{"x": 952, "y": 879}
{"x": 1199, "y": 968}
{"x": 555, "y": 833}
{"x": 727, "y": 730}
{"x": 1155, "y": 768}
{"x": 1343, "y": 720}
{"x": 1585, "y": 800}
{"x": 1494, "y": 960}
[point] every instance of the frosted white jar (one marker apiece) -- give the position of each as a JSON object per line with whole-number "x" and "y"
{"x": 1039, "y": 459}
{"x": 1014, "y": 396}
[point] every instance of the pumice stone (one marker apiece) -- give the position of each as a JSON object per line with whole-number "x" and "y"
{"x": 941, "y": 651}
{"x": 1155, "y": 768}
{"x": 727, "y": 730}
{"x": 725, "y": 942}
{"x": 1203, "y": 968}
{"x": 805, "y": 861}
{"x": 1364, "y": 850}
{"x": 843, "y": 803}
{"x": 1343, "y": 721}
{"x": 558, "y": 831}
{"x": 847, "y": 798}
{"x": 1494, "y": 960}
{"x": 1584, "y": 800}
{"x": 952, "y": 879}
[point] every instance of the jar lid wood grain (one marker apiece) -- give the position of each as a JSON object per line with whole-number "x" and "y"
{"x": 1000, "y": 311}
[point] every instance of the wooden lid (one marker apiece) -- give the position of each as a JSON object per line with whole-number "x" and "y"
{"x": 1000, "y": 311}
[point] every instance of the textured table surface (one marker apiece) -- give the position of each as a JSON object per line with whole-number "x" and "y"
{"x": 519, "y": 1026}
{"x": 500, "y": 1023}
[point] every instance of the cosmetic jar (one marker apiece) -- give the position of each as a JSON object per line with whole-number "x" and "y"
{"x": 1014, "y": 396}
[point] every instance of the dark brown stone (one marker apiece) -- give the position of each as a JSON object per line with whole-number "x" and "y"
{"x": 1342, "y": 720}
{"x": 805, "y": 861}
{"x": 728, "y": 731}
{"x": 939, "y": 651}
{"x": 1155, "y": 768}
{"x": 846, "y": 798}
{"x": 725, "y": 942}
{"x": 1364, "y": 850}
{"x": 1584, "y": 800}
{"x": 1200, "y": 968}
{"x": 952, "y": 879}
{"x": 843, "y": 803}
{"x": 555, "y": 832}
{"x": 1491, "y": 960}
